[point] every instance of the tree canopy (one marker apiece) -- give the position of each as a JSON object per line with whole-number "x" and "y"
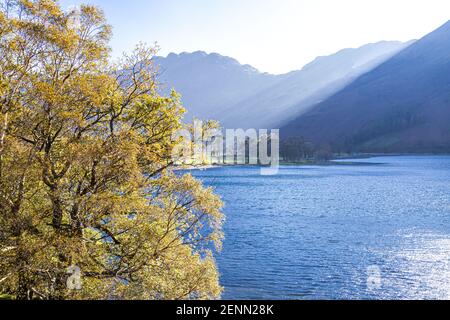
{"x": 86, "y": 173}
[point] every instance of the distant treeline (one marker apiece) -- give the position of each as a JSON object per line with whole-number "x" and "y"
{"x": 298, "y": 149}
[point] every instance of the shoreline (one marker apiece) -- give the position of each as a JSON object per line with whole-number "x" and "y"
{"x": 335, "y": 161}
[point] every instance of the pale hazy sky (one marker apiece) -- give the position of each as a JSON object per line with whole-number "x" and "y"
{"x": 272, "y": 35}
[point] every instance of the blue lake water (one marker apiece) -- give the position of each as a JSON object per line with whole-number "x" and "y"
{"x": 315, "y": 232}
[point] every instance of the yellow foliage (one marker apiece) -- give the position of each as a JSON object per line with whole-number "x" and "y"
{"x": 86, "y": 171}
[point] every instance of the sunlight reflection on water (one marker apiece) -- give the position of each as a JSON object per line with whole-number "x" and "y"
{"x": 422, "y": 267}
{"x": 312, "y": 232}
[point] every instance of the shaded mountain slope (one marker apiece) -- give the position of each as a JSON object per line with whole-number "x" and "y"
{"x": 403, "y": 105}
{"x": 217, "y": 87}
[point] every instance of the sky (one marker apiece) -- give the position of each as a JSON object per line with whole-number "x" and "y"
{"x": 274, "y": 36}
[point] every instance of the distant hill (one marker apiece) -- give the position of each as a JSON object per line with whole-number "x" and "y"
{"x": 239, "y": 96}
{"x": 298, "y": 91}
{"x": 210, "y": 83}
{"x": 403, "y": 105}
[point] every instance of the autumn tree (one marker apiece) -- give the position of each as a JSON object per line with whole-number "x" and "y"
{"x": 86, "y": 173}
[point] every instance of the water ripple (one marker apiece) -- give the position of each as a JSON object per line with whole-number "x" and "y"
{"x": 313, "y": 232}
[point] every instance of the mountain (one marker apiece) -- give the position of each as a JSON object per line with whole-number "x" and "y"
{"x": 403, "y": 105}
{"x": 239, "y": 96}
{"x": 300, "y": 90}
{"x": 209, "y": 83}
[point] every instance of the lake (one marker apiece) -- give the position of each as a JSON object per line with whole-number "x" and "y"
{"x": 376, "y": 230}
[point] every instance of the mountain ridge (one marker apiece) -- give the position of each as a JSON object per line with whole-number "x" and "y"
{"x": 219, "y": 87}
{"x": 402, "y": 105}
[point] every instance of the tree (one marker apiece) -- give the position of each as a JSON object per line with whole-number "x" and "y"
{"x": 86, "y": 173}
{"x": 296, "y": 149}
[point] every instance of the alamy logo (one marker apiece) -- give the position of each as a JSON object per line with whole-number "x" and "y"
{"x": 74, "y": 280}
{"x": 373, "y": 278}
{"x": 202, "y": 145}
